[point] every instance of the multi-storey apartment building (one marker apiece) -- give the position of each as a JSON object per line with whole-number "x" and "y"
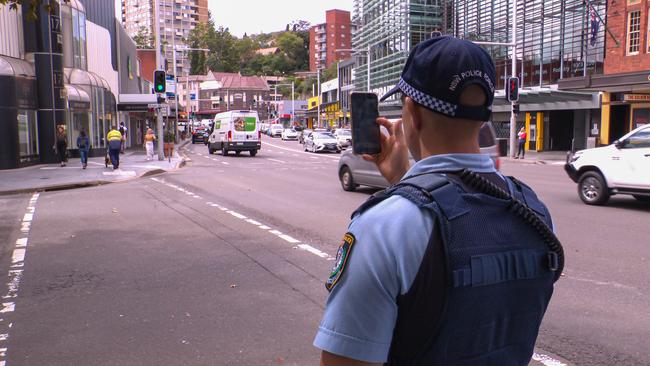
{"x": 177, "y": 19}
{"x": 331, "y": 41}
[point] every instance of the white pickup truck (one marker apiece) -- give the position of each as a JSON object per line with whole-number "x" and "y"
{"x": 620, "y": 168}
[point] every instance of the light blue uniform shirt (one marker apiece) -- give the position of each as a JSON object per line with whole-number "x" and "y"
{"x": 391, "y": 239}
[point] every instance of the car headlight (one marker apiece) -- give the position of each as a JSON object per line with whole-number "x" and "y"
{"x": 575, "y": 156}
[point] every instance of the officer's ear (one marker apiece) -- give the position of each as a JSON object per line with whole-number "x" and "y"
{"x": 414, "y": 114}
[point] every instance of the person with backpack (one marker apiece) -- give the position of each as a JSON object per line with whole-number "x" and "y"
{"x": 62, "y": 145}
{"x": 83, "y": 144}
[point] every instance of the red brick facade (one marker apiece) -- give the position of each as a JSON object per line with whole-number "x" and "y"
{"x": 325, "y": 39}
{"x": 617, "y": 59}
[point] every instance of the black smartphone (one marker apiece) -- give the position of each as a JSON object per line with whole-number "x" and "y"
{"x": 365, "y": 130}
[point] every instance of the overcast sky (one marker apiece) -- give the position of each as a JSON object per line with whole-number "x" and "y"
{"x": 255, "y": 16}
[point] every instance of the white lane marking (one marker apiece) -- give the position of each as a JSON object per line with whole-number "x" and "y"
{"x": 198, "y": 197}
{"x": 207, "y": 157}
{"x": 18, "y": 255}
{"x": 547, "y": 360}
{"x": 295, "y": 155}
{"x": 237, "y": 215}
{"x": 215, "y": 159}
{"x": 199, "y": 154}
{"x": 277, "y": 161}
{"x": 289, "y": 239}
{"x": 15, "y": 275}
{"x": 225, "y": 163}
{"x": 285, "y": 237}
{"x": 298, "y": 151}
{"x": 313, "y": 250}
{"x": 313, "y": 157}
{"x": 21, "y": 243}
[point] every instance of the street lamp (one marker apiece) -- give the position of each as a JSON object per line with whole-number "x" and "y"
{"x": 367, "y": 52}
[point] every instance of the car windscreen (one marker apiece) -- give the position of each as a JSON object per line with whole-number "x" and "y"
{"x": 344, "y": 133}
{"x": 323, "y": 135}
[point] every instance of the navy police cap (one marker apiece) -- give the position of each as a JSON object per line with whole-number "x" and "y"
{"x": 439, "y": 69}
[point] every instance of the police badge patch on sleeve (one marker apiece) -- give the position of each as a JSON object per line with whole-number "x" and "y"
{"x": 341, "y": 260}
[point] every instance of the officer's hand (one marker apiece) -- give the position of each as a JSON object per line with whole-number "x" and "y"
{"x": 393, "y": 160}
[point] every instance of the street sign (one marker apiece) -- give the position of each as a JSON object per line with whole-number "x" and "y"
{"x": 156, "y": 106}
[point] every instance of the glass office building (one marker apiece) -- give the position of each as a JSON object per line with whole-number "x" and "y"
{"x": 556, "y": 39}
{"x": 386, "y": 31}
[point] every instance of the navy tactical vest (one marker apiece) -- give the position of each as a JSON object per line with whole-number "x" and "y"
{"x": 484, "y": 282}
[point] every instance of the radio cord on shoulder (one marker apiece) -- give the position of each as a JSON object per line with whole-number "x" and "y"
{"x": 481, "y": 184}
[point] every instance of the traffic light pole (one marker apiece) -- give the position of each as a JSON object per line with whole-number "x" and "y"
{"x": 513, "y": 116}
{"x": 159, "y": 65}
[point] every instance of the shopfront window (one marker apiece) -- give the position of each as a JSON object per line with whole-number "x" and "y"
{"x": 79, "y": 121}
{"x": 27, "y": 133}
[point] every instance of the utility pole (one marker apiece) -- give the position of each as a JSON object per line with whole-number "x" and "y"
{"x": 160, "y": 66}
{"x": 319, "y": 96}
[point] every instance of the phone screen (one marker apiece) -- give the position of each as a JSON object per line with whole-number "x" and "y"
{"x": 365, "y": 130}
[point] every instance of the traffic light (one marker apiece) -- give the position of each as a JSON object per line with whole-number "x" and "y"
{"x": 159, "y": 81}
{"x": 515, "y": 108}
{"x": 512, "y": 89}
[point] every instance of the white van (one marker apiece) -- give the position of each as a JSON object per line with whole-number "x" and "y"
{"x": 235, "y": 131}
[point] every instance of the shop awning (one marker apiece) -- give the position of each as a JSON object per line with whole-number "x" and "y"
{"x": 77, "y": 97}
{"x": 628, "y": 82}
{"x": 136, "y": 102}
{"x": 544, "y": 99}
{"x": 10, "y": 66}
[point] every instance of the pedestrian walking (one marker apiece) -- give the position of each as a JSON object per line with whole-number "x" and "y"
{"x": 83, "y": 144}
{"x": 149, "y": 139}
{"x": 62, "y": 145}
{"x": 114, "y": 138}
{"x": 521, "y": 140}
{"x": 123, "y": 131}
{"x": 454, "y": 263}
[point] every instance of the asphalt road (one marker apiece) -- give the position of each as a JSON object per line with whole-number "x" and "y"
{"x": 223, "y": 263}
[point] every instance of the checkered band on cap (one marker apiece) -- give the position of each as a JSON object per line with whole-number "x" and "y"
{"x": 428, "y": 101}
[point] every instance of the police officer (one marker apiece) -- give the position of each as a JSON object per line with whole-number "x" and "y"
{"x": 454, "y": 264}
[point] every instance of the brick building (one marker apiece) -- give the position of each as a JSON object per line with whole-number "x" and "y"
{"x": 328, "y": 39}
{"x": 624, "y": 85}
{"x": 221, "y": 92}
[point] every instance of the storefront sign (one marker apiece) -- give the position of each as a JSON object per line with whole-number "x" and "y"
{"x": 78, "y": 105}
{"x": 636, "y": 97}
{"x": 133, "y": 107}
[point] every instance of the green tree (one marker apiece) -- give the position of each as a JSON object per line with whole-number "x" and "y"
{"x": 144, "y": 39}
{"x": 32, "y": 10}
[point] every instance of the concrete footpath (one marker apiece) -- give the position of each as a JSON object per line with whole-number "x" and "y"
{"x": 543, "y": 158}
{"x": 49, "y": 177}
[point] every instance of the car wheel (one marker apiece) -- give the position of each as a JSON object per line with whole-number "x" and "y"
{"x": 237, "y": 153}
{"x": 253, "y": 152}
{"x": 224, "y": 152}
{"x": 592, "y": 189}
{"x": 642, "y": 198}
{"x": 305, "y": 147}
{"x": 347, "y": 182}
{"x": 210, "y": 150}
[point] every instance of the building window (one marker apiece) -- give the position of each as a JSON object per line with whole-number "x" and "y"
{"x": 79, "y": 39}
{"x": 633, "y": 32}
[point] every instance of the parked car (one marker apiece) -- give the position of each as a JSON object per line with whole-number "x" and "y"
{"x": 322, "y": 141}
{"x": 303, "y": 135}
{"x": 289, "y": 134}
{"x": 198, "y": 135}
{"x": 344, "y": 137}
{"x": 354, "y": 171}
{"x": 276, "y": 130}
{"x": 620, "y": 168}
